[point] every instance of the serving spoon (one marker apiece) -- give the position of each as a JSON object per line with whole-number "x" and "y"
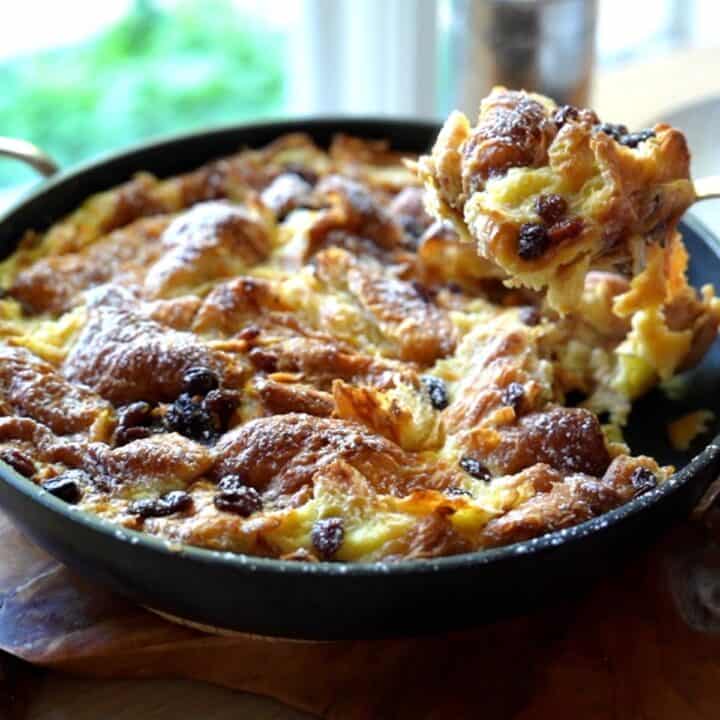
{"x": 707, "y": 188}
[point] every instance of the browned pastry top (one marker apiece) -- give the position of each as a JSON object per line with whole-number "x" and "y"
{"x": 282, "y": 354}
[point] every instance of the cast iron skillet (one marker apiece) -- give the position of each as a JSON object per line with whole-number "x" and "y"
{"x": 326, "y": 600}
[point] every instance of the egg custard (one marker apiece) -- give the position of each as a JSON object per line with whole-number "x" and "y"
{"x": 282, "y": 354}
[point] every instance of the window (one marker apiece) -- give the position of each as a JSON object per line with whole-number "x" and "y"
{"x": 82, "y": 77}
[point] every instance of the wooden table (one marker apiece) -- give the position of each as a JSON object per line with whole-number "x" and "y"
{"x": 631, "y": 95}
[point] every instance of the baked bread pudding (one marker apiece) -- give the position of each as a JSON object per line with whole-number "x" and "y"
{"x": 283, "y": 354}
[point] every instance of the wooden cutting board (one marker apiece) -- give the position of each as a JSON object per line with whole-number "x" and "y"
{"x": 642, "y": 644}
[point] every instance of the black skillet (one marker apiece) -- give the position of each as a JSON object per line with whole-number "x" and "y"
{"x": 327, "y": 600}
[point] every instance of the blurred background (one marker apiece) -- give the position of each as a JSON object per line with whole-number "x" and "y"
{"x": 82, "y": 77}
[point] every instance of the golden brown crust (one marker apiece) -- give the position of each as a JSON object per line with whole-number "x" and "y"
{"x": 54, "y": 284}
{"x": 124, "y": 358}
{"x": 513, "y": 130}
{"x": 567, "y": 439}
{"x": 567, "y": 503}
{"x": 280, "y": 454}
{"x": 32, "y": 387}
{"x": 210, "y": 241}
{"x": 280, "y": 398}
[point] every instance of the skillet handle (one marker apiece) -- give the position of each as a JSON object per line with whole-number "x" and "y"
{"x": 29, "y": 154}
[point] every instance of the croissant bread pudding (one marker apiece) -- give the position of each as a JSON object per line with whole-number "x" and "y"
{"x": 283, "y": 354}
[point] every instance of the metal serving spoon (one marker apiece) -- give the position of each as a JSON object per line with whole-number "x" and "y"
{"x": 707, "y": 188}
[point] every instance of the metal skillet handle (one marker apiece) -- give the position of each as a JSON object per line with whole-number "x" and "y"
{"x": 29, "y": 154}
{"x": 707, "y": 188}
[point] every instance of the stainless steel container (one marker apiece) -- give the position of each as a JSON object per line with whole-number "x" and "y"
{"x": 547, "y": 46}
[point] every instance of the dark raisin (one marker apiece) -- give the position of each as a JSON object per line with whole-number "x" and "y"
{"x": 550, "y": 207}
{"x": 426, "y": 294}
{"x": 327, "y": 536}
{"x": 436, "y": 390}
{"x": 236, "y": 497}
{"x": 18, "y": 461}
{"x": 249, "y": 333}
{"x": 167, "y": 504}
{"x": 529, "y": 315}
{"x": 457, "y": 491}
{"x": 475, "y": 468}
{"x": 187, "y": 417}
{"x": 132, "y": 423}
{"x": 199, "y": 381}
{"x": 513, "y": 395}
{"x": 533, "y": 241}
{"x": 643, "y": 480}
{"x": 565, "y": 229}
{"x": 413, "y": 226}
{"x": 125, "y": 435}
{"x": 564, "y": 114}
{"x": 263, "y": 360}
{"x": 454, "y": 288}
{"x": 232, "y": 482}
{"x": 135, "y": 414}
{"x": 177, "y": 500}
{"x": 67, "y": 485}
{"x": 220, "y": 405}
{"x": 632, "y": 140}
{"x": 615, "y": 131}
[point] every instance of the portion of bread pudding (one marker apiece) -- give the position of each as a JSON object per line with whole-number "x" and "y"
{"x": 549, "y": 193}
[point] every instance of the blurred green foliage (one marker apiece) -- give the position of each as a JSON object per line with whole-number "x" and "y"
{"x": 154, "y": 72}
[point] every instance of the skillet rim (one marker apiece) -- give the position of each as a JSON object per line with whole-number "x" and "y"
{"x": 703, "y": 461}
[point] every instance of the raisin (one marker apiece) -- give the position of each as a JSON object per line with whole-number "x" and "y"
{"x": 220, "y": 405}
{"x": 564, "y": 114}
{"x": 18, "y": 461}
{"x": 249, "y": 333}
{"x": 67, "y": 485}
{"x": 426, "y": 294}
{"x": 412, "y": 226}
{"x": 632, "y": 140}
{"x": 529, "y": 315}
{"x": 167, "y": 504}
{"x": 133, "y": 420}
{"x": 615, "y": 131}
{"x": 475, "y": 468}
{"x": 643, "y": 480}
{"x": 200, "y": 381}
{"x": 135, "y": 414}
{"x": 263, "y": 360}
{"x": 513, "y": 395}
{"x": 565, "y": 229}
{"x": 533, "y": 241}
{"x": 327, "y": 536}
{"x": 236, "y": 497}
{"x": 436, "y": 390}
{"x": 187, "y": 417}
{"x": 550, "y": 207}
{"x": 125, "y": 435}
